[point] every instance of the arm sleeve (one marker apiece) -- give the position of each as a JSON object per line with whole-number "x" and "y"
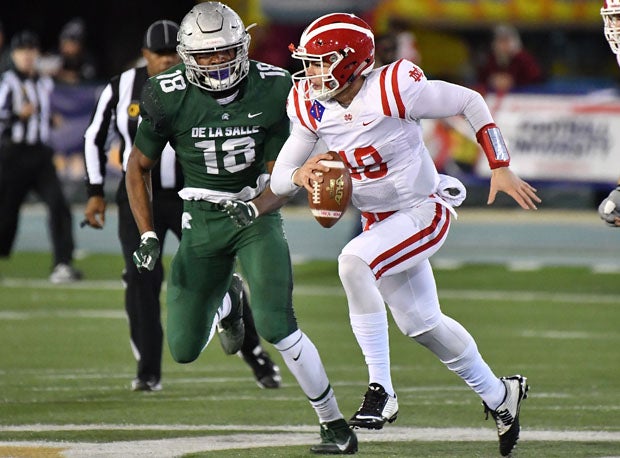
{"x": 95, "y": 138}
{"x": 294, "y": 153}
{"x": 439, "y": 99}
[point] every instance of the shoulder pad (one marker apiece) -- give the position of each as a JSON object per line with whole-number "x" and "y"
{"x": 151, "y": 107}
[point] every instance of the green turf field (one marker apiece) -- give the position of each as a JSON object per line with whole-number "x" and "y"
{"x": 65, "y": 369}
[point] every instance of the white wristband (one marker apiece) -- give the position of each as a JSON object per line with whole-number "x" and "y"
{"x": 293, "y": 177}
{"x": 254, "y": 209}
{"x": 148, "y": 235}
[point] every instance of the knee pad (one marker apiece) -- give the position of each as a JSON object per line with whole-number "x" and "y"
{"x": 352, "y": 270}
{"x": 359, "y": 285}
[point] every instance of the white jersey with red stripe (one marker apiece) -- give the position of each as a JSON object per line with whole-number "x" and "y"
{"x": 377, "y": 136}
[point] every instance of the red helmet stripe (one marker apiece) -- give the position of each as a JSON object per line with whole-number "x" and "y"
{"x": 306, "y": 37}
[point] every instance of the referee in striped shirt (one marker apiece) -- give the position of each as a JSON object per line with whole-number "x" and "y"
{"x": 26, "y": 159}
{"x": 118, "y": 112}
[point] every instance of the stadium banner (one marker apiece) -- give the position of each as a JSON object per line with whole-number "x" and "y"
{"x": 462, "y": 13}
{"x": 560, "y": 137}
{"x": 72, "y": 106}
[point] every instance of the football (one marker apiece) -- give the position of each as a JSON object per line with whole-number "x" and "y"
{"x": 329, "y": 200}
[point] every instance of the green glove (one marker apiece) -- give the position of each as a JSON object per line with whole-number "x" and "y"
{"x": 147, "y": 253}
{"x": 242, "y": 213}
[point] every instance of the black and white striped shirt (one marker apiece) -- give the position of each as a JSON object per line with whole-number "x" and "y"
{"x": 118, "y": 114}
{"x": 17, "y": 90}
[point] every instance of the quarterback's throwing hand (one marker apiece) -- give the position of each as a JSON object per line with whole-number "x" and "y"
{"x": 609, "y": 209}
{"x": 242, "y": 213}
{"x": 147, "y": 253}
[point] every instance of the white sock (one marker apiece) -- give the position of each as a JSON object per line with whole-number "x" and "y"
{"x": 371, "y": 332}
{"x": 478, "y": 375}
{"x": 304, "y": 362}
{"x": 224, "y": 310}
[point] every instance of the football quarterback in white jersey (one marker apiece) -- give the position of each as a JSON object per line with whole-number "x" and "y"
{"x": 371, "y": 118}
{"x": 609, "y": 209}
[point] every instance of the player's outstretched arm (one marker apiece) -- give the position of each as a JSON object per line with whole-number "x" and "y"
{"x": 503, "y": 179}
{"x": 244, "y": 213}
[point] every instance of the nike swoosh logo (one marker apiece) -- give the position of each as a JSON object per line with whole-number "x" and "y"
{"x": 344, "y": 446}
{"x": 254, "y": 115}
{"x": 369, "y": 122}
{"x": 295, "y": 358}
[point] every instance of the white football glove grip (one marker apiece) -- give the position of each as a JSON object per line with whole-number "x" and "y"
{"x": 609, "y": 209}
{"x": 148, "y": 252}
{"x": 242, "y": 213}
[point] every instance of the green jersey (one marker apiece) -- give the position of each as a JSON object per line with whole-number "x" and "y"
{"x": 221, "y": 148}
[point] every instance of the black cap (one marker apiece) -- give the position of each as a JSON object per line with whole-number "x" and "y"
{"x": 25, "y": 39}
{"x": 161, "y": 36}
{"x": 74, "y": 30}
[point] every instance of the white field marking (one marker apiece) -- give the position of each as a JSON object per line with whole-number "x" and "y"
{"x": 570, "y": 335}
{"x": 604, "y": 268}
{"x": 255, "y": 436}
{"x": 319, "y": 290}
{"x": 113, "y": 314}
{"x": 525, "y": 265}
{"x": 40, "y": 283}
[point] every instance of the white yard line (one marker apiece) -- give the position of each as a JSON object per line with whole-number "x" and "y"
{"x": 254, "y": 436}
{"x": 318, "y": 290}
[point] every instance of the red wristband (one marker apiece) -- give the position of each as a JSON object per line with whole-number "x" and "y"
{"x": 492, "y": 142}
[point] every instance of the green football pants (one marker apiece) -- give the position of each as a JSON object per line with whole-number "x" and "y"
{"x": 202, "y": 269}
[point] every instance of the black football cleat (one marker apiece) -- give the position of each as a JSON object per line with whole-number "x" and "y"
{"x": 231, "y": 329}
{"x": 506, "y": 416}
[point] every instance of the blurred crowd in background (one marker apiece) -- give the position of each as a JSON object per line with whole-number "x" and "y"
{"x": 496, "y": 47}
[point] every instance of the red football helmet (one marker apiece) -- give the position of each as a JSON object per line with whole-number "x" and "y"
{"x": 611, "y": 18}
{"x": 345, "y": 42}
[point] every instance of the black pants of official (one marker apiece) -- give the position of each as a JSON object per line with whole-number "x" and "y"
{"x": 142, "y": 292}
{"x": 25, "y": 168}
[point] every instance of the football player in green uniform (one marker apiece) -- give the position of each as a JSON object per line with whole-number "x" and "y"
{"x": 225, "y": 116}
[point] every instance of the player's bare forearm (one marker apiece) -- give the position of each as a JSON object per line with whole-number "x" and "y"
{"x": 138, "y": 183}
{"x": 268, "y": 202}
{"x": 504, "y": 180}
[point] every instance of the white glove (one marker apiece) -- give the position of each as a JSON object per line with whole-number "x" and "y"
{"x": 451, "y": 190}
{"x": 609, "y": 209}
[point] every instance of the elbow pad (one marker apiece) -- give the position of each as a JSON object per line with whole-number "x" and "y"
{"x": 492, "y": 142}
